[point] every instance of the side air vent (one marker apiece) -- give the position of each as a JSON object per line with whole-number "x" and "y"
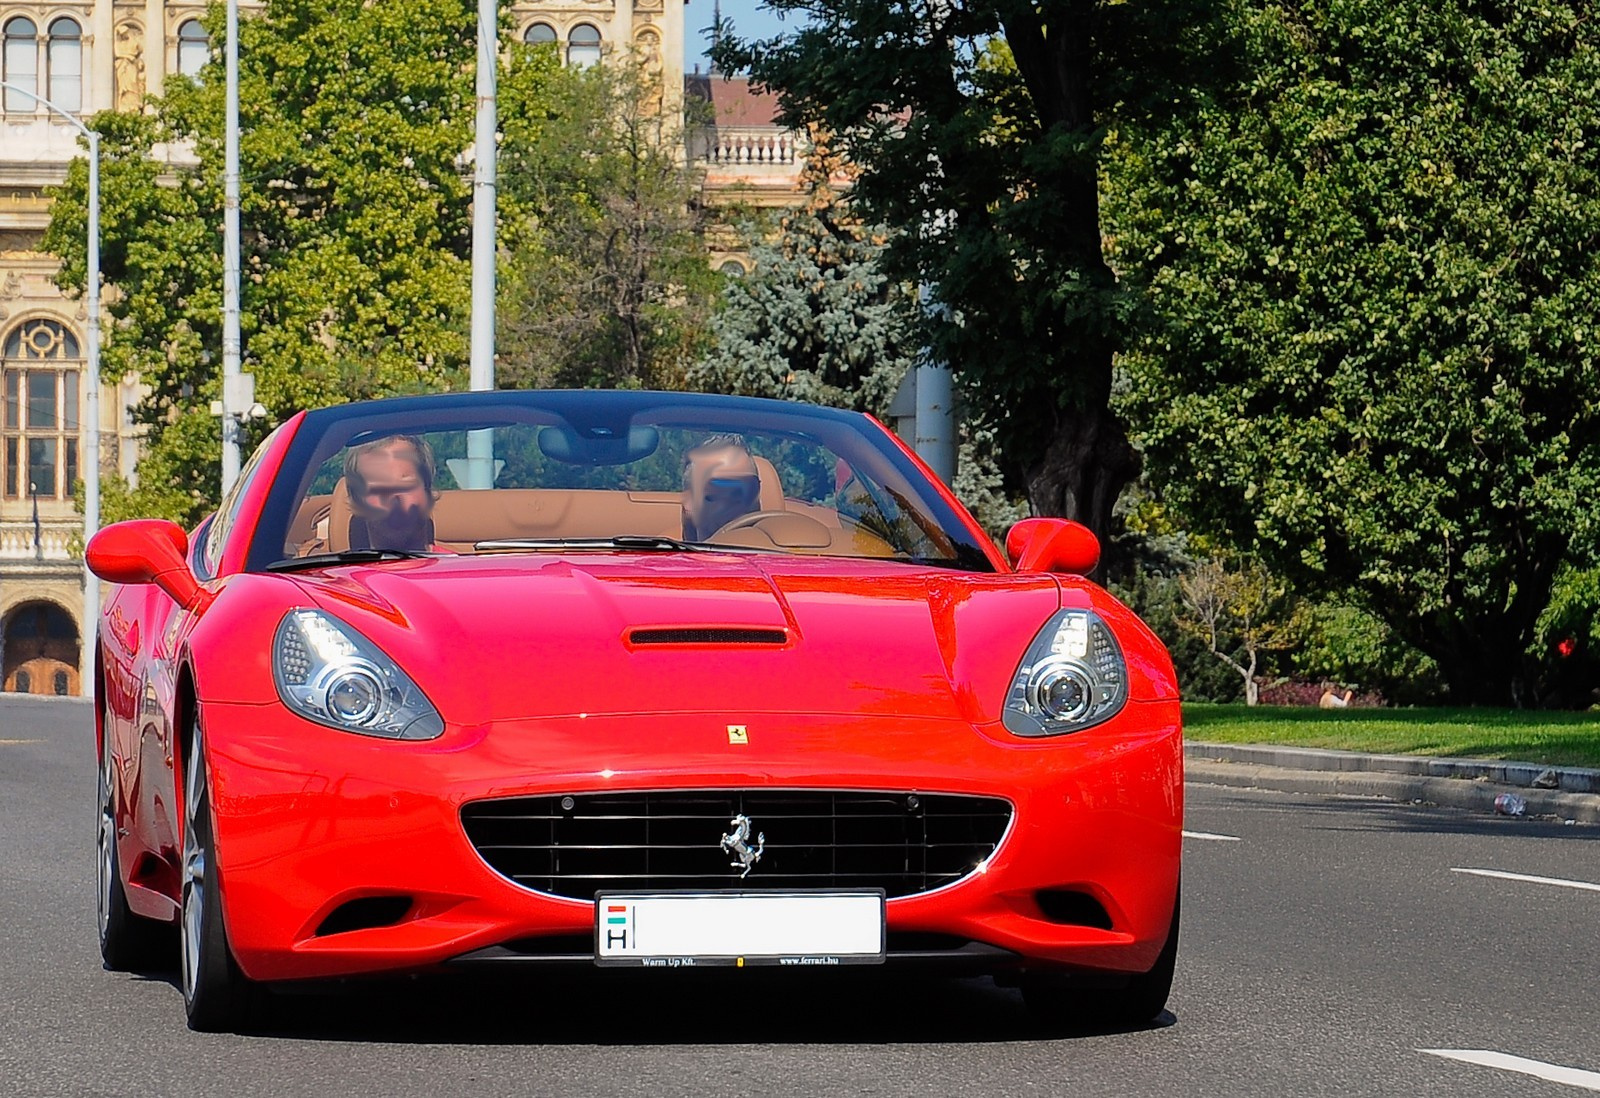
{"x": 367, "y": 913}
{"x": 708, "y": 636}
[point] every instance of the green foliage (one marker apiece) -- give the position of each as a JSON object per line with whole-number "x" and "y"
{"x": 355, "y": 274}
{"x": 1241, "y": 612}
{"x": 1370, "y": 259}
{"x": 607, "y": 283}
{"x": 1345, "y": 644}
{"x": 819, "y": 320}
{"x": 988, "y": 158}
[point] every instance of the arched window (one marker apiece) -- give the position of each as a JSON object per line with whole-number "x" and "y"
{"x": 61, "y": 684}
{"x": 194, "y": 47}
{"x": 583, "y": 46}
{"x": 733, "y": 269}
{"x": 539, "y": 34}
{"x": 64, "y": 61}
{"x": 21, "y": 64}
{"x": 24, "y": 683}
{"x": 39, "y": 370}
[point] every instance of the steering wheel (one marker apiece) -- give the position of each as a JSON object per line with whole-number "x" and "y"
{"x": 745, "y": 522}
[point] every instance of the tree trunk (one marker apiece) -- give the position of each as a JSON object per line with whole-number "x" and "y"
{"x": 1087, "y": 463}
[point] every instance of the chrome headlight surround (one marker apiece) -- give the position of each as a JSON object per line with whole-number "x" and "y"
{"x": 1072, "y": 677}
{"x": 327, "y": 672}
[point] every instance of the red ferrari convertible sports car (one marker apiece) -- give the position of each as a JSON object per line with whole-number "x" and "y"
{"x": 626, "y": 679}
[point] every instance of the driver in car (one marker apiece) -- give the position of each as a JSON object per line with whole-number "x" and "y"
{"x": 720, "y": 484}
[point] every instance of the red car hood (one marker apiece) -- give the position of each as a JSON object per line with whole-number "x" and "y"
{"x": 541, "y": 635}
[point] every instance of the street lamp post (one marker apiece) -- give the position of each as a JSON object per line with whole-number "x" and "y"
{"x": 479, "y": 466}
{"x": 237, "y": 391}
{"x": 91, "y": 395}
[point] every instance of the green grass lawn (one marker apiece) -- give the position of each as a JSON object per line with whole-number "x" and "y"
{"x": 1553, "y": 738}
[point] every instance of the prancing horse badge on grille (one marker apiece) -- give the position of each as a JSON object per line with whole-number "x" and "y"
{"x": 737, "y": 843}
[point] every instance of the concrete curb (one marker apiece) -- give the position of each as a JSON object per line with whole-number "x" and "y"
{"x": 1470, "y": 784}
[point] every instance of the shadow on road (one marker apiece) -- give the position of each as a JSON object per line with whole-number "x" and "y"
{"x": 614, "y": 1008}
{"x": 1323, "y": 812}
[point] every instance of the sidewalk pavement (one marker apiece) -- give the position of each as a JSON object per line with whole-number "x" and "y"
{"x": 1563, "y": 792}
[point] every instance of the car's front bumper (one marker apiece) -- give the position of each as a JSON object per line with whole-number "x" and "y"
{"x": 309, "y": 819}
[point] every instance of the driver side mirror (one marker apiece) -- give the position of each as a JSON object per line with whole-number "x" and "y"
{"x": 1052, "y": 545}
{"x": 145, "y": 551}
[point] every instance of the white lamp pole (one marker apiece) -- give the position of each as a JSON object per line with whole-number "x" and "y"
{"x": 480, "y": 444}
{"x": 236, "y": 400}
{"x": 91, "y": 394}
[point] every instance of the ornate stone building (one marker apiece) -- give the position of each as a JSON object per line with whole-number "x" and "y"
{"x": 91, "y": 55}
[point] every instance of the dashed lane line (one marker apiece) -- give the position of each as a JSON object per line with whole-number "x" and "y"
{"x": 1585, "y": 885}
{"x": 1572, "y": 1077}
{"x": 1209, "y": 837}
{"x": 13, "y": 743}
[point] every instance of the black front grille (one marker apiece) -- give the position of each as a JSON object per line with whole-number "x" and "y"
{"x": 578, "y": 844}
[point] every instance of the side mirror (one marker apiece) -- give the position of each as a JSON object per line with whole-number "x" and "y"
{"x": 1052, "y": 545}
{"x": 145, "y": 551}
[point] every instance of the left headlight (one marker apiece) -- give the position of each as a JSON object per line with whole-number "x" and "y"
{"x": 329, "y": 673}
{"x": 1072, "y": 677}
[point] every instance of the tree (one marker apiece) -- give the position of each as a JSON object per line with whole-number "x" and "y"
{"x": 355, "y": 268}
{"x": 986, "y": 154}
{"x": 819, "y": 319}
{"x": 1371, "y": 264}
{"x": 1240, "y": 613}
{"x": 608, "y": 282}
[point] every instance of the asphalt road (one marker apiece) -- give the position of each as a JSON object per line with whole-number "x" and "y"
{"x": 1326, "y": 943}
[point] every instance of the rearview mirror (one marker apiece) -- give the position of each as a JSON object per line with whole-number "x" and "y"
{"x": 145, "y": 551}
{"x": 1052, "y": 545}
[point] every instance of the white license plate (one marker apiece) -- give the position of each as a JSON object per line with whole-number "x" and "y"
{"x": 674, "y": 929}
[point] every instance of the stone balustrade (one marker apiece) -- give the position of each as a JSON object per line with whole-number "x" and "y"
{"x": 750, "y": 145}
{"x": 16, "y": 540}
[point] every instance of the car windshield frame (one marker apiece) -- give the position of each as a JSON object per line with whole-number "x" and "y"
{"x": 325, "y": 432}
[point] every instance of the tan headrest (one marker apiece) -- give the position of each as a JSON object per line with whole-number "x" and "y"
{"x": 771, "y": 486}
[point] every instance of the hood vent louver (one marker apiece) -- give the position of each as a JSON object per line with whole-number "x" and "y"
{"x": 742, "y": 636}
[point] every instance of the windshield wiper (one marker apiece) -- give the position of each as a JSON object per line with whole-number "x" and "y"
{"x": 629, "y": 542}
{"x": 348, "y": 556}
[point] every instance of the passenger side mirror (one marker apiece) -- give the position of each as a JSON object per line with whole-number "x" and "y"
{"x": 1052, "y": 545}
{"x": 145, "y": 551}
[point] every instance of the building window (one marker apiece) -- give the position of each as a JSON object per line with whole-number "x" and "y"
{"x": 24, "y": 683}
{"x": 60, "y": 682}
{"x": 64, "y": 62}
{"x": 39, "y": 371}
{"x": 733, "y": 269}
{"x": 194, "y": 48}
{"x": 583, "y": 46}
{"x": 538, "y": 34}
{"x": 21, "y": 64}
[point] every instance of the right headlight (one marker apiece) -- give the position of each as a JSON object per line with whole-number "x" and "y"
{"x": 329, "y": 673}
{"x": 1072, "y": 677}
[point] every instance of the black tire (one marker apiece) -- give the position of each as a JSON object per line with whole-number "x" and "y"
{"x": 128, "y": 941}
{"x": 1060, "y": 1001}
{"x": 216, "y": 995}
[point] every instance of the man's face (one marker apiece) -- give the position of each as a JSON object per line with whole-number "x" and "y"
{"x": 393, "y": 500}
{"x": 722, "y": 485}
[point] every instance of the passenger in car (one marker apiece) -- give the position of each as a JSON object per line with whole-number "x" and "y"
{"x": 720, "y": 483}
{"x": 390, "y": 481}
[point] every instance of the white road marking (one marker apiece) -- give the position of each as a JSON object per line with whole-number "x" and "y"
{"x": 1210, "y": 837}
{"x": 1585, "y": 885}
{"x": 13, "y": 743}
{"x": 1572, "y": 1077}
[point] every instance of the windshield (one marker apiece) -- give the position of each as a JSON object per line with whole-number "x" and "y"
{"x": 527, "y": 472}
